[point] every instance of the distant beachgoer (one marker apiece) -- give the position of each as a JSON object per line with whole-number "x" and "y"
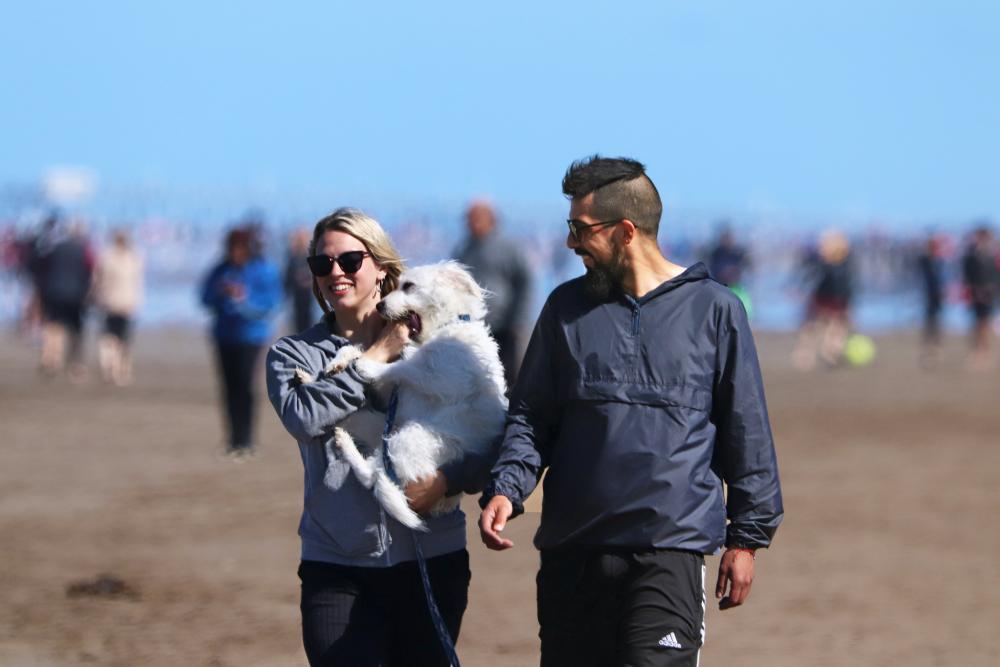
{"x": 298, "y": 282}
{"x": 242, "y": 291}
{"x": 980, "y": 271}
{"x": 828, "y": 318}
{"x": 930, "y": 266}
{"x": 34, "y": 247}
{"x": 118, "y": 284}
{"x": 727, "y": 263}
{"x": 64, "y": 271}
{"x": 499, "y": 265}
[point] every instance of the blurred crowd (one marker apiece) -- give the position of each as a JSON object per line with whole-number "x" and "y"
{"x": 57, "y": 276}
{"x": 66, "y": 276}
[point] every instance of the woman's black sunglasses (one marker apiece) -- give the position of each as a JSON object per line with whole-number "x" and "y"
{"x": 350, "y": 262}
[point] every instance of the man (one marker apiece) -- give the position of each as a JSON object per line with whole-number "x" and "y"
{"x": 727, "y": 262}
{"x": 641, "y": 394}
{"x": 66, "y": 275}
{"x": 298, "y": 282}
{"x": 930, "y": 266}
{"x": 979, "y": 270}
{"x": 498, "y": 264}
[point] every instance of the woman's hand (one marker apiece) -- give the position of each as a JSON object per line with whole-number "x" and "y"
{"x": 389, "y": 344}
{"x": 424, "y": 493}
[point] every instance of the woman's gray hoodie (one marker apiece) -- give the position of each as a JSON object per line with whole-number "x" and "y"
{"x": 341, "y": 521}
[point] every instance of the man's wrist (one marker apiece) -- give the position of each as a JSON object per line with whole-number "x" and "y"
{"x": 493, "y": 489}
{"x": 750, "y": 550}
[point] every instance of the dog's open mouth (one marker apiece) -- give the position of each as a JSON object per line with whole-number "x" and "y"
{"x": 413, "y": 321}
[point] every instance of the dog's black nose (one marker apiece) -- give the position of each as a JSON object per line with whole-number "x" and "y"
{"x": 380, "y": 307}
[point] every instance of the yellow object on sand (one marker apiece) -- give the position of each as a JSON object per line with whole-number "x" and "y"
{"x": 859, "y": 350}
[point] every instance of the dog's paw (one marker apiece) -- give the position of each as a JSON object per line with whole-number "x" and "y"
{"x": 343, "y": 359}
{"x": 336, "y": 366}
{"x": 303, "y": 377}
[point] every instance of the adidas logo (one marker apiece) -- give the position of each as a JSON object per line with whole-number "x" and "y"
{"x": 670, "y": 641}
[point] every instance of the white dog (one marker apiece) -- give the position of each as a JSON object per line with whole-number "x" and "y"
{"x": 450, "y": 383}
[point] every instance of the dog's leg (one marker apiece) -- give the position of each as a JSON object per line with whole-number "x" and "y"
{"x": 403, "y": 372}
{"x": 303, "y": 377}
{"x": 373, "y": 371}
{"x": 344, "y": 357}
{"x": 363, "y": 468}
{"x": 392, "y": 498}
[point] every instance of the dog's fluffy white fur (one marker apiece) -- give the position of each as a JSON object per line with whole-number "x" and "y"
{"x": 450, "y": 382}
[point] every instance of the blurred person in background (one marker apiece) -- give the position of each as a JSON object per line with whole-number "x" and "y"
{"x": 930, "y": 266}
{"x": 727, "y": 262}
{"x": 828, "y": 315}
{"x": 242, "y": 292}
{"x": 362, "y": 600}
{"x": 35, "y": 246}
{"x": 64, "y": 266}
{"x": 641, "y": 400}
{"x": 982, "y": 284}
{"x": 118, "y": 285}
{"x": 499, "y": 265}
{"x": 298, "y": 281}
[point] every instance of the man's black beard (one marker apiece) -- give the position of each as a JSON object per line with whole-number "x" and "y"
{"x": 604, "y": 280}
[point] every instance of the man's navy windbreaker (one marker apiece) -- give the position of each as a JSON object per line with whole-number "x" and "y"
{"x": 640, "y": 409}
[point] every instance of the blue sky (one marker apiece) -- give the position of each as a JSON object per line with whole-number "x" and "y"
{"x": 849, "y": 108}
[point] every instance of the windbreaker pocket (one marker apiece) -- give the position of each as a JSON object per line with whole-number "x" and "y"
{"x": 620, "y": 390}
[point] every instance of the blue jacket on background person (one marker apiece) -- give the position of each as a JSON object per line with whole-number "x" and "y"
{"x": 641, "y": 410}
{"x": 246, "y": 319}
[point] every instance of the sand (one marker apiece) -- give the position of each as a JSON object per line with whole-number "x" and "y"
{"x": 887, "y": 555}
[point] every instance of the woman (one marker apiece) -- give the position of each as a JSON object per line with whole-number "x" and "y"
{"x": 363, "y": 601}
{"x": 242, "y": 291}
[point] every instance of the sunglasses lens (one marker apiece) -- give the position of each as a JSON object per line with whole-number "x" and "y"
{"x": 320, "y": 265}
{"x": 350, "y": 262}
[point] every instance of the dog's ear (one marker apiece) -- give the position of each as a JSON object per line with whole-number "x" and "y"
{"x": 459, "y": 279}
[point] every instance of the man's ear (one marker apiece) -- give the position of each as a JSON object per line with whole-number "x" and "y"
{"x": 628, "y": 230}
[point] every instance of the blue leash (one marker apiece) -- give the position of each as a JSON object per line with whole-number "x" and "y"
{"x": 439, "y": 626}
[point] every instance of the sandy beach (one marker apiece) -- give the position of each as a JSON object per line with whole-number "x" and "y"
{"x": 887, "y": 554}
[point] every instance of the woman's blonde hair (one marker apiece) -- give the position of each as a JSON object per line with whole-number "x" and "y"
{"x": 367, "y": 230}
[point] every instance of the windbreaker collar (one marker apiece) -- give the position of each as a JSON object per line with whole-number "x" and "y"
{"x": 693, "y": 273}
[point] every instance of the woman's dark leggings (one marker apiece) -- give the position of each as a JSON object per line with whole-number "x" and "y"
{"x": 377, "y": 616}
{"x": 237, "y": 363}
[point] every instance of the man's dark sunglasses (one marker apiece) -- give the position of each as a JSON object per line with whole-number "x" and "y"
{"x": 350, "y": 262}
{"x": 576, "y": 227}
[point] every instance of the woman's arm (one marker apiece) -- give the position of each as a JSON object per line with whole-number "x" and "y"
{"x": 310, "y": 410}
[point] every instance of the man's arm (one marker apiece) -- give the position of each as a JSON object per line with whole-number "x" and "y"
{"x": 530, "y": 424}
{"x": 744, "y": 456}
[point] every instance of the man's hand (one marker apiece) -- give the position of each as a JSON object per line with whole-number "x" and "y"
{"x": 736, "y": 571}
{"x": 492, "y": 522}
{"x": 423, "y": 493}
